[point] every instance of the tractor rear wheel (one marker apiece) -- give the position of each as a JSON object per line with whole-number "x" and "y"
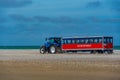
{"x": 52, "y": 49}
{"x": 42, "y": 50}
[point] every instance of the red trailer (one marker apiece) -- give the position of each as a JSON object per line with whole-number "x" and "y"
{"x": 93, "y": 44}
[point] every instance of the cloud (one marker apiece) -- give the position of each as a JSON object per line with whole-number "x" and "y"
{"x": 26, "y": 20}
{"x": 14, "y": 3}
{"x": 42, "y": 18}
{"x": 55, "y": 20}
{"x": 2, "y": 20}
{"x": 95, "y": 19}
{"x": 64, "y": 19}
{"x": 61, "y": 19}
{"x": 94, "y": 4}
{"x": 23, "y": 18}
{"x": 115, "y": 5}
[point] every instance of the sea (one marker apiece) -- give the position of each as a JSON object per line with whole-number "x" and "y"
{"x": 36, "y": 47}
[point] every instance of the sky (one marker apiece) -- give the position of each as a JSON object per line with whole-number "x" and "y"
{"x": 29, "y": 22}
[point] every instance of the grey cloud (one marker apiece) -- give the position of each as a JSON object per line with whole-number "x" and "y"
{"x": 21, "y": 18}
{"x": 61, "y": 19}
{"x": 2, "y": 20}
{"x": 95, "y": 19}
{"x": 42, "y": 18}
{"x": 14, "y": 3}
{"x": 94, "y": 4}
{"x": 64, "y": 19}
{"x": 112, "y": 20}
{"x": 115, "y": 5}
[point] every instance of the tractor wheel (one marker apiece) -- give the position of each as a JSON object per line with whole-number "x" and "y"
{"x": 59, "y": 50}
{"x": 100, "y": 51}
{"x": 52, "y": 49}
{"x": 110, "y": 52}
{"x": 42, "y": 50}
{"x": 93, "y": 52}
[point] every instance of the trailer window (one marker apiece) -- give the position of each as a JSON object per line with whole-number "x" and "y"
{"x": 73, "y": 41}
{"x": 69, "y": 41}
{"x": 100, "y": 41}
{"x": 82, "y": 41}
{"x": 78, "y": 41}
{"x": 86, "y": 41}
{"x": 96, "y": 40}
{"x": 64, "y": 41}
{"x": 107, "y": 40}
{"x": 111, "y": 40}
{"x": 90, "y": 40}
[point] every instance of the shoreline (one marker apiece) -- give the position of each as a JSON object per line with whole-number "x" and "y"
{"x": 37, "y": 47}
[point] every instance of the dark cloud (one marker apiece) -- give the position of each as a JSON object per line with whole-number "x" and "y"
{"x": 2, "y": 20}
{"x": 14, "y": 3}
{"x": 23, "y": 18}
{"x": 64, "y": 19}
{"x": 94, "y": 4}
{"x": 115, "y": 5}
{"x": 112, "y": 20}
{"x": 95, "y": 19}
{"x": 42, "y": 18}
{"x": 61, "y": 19}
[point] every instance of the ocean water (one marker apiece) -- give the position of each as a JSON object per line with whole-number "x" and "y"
{"x": 35, "y": 47}
{"x": 19, "y": 47}
{"x": 117, "y": 47}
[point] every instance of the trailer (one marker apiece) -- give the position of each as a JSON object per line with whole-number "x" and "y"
{"x": 93, "y": 44}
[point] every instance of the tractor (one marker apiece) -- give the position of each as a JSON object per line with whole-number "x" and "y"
{"x": 52, "y": 45}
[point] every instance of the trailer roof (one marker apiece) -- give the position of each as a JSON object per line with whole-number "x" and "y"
{"x": 87, "y": 37}
{"x": 76, "y": 37}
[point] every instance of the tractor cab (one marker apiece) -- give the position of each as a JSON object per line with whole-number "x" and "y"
{"x": 51, "y": 45}
{"x": 54, "y": 40}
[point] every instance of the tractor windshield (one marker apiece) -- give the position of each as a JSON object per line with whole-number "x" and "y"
{"x": 51, "y": 40}
{"x": 54, "y": 40}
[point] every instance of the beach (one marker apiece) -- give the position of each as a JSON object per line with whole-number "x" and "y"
{"x": 29, "y": 64}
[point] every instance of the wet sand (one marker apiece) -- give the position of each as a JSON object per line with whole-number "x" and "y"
{"x": 30, "y": 65}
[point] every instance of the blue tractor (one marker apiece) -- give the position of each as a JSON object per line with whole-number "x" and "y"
{"x": 52, "y": 45}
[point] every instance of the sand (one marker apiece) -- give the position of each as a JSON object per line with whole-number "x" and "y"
{"x": 31, "y": 65}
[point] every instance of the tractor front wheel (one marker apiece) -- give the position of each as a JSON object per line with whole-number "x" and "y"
{"x": 42, "y": 50}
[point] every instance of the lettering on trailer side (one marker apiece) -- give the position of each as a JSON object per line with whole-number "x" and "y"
{"x": 87, "y": 45}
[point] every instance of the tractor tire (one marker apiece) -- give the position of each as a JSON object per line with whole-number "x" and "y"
{"x": 52, "y": 49}
{"x": 42, "y": 50}
{"x": 93, "y": 52}
{"x": 59, "y": 50}
{"x": 110, "y": 52}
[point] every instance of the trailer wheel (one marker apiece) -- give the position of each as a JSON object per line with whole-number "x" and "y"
{"x": 93, "y": 52}
{"x": 52, "y": 49}
{"x": 58, "y": 50}
{"x": 110, "y": 52}
{"x": 42, "y": 50}
{"x": 100, "y": 51}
